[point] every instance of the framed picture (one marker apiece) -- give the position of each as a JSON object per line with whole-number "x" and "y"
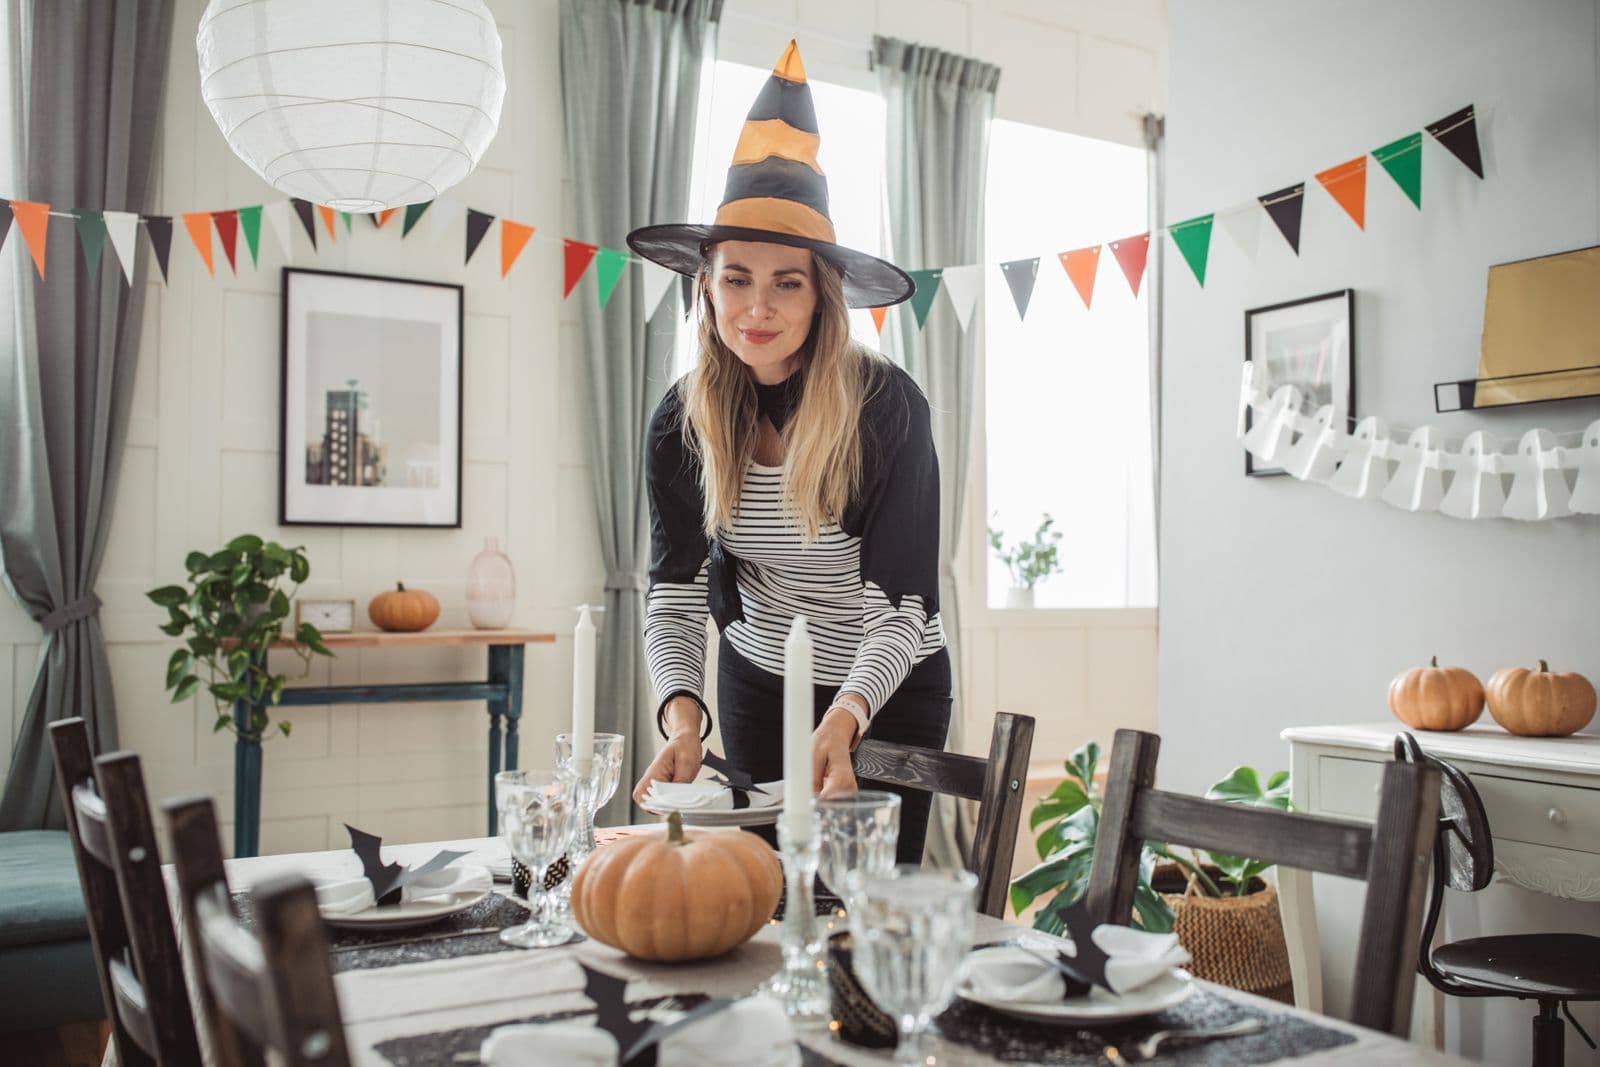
{"x": 1307, "y": 343}
{"x": 369, "y": 428}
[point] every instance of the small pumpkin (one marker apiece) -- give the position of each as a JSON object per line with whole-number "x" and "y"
{"x": 1436, "y": 698}
{"x": 403, "y": 610}
{"x": 1540, "y": 703}
{"x": 678, "y": 897}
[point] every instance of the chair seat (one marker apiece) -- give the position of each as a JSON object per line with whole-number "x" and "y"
{"x": 41, "y": 900}
{"x": 1558, "y": 966}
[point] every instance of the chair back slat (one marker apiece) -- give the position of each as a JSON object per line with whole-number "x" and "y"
{"x": 1327, "y": 846}
{"x": 233, "y": 966}
{"x": 949, "y": 773}
{"x": 299, "y": 973}
{"x": 132, "y": 1007}
{"x": 93, "y": 833}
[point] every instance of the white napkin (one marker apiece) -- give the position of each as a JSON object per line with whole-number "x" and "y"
{"x": 354, "y": 895}
{"x": 1137, "y": 959}
{"x": 753, "y": 1032}
{"x": 706, "y": 796}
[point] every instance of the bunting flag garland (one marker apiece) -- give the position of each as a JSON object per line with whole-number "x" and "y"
{"x": 122, "y": 228}
{"x": 383, "y": 216}
{"x": 513, "y": 239}
{"x": 577, "y": 257}
{"x": 1403, "y": 160}
{"x": 277, "y": 215}
{"x": 608, "y": 271}
{"x": 657, "y": 280}
{"x": 227, "y": 223}
{"x": 877, "y": 318}
{"x": 92, "y": 235}
{"x": 305, "y": 209}
{"x": 1458, "y": 132}
{"x": 1284, "y": 208}
{"x": 1081, "y": 265}
{"x": 159, "y": 229}
{"x": 961, "y": 285}
{"x": 349, "y": 221}
{"x": 447, "y": 213}
{"x": 33, "y": 222}
{"x": 927, "y": 282}
{"x": 250, "y": 223}
{"x": 327, "y": 221}
{"x": 477, "y": 226}
{"x": 413, "y": 213}
{"x": 1020, "y": 275}
{"x": 686, "y": 288}
{"x": 198, "y": 223}
{"x": 1193, "y": 238}
{"x": 1347, "y": 184}
{"x": 1242, "y": 224}
{"x": 1131, "y": 253}
{"x": 5, "y": 221}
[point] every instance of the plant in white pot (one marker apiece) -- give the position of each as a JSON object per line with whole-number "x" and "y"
{"x": 1030, "y": 561}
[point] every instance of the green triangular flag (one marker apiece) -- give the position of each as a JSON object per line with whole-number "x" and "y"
{"x": 608, "y": 271}
{"x": 250, "y": 222}
{"x": 927, "y": 288}
{"x": 1403, "y": 160}
{"x": 1193, "y": 238}
{"x": 347, "y": 221}
{"x": 413, "y": 213}
{"x": 92, "y": 232}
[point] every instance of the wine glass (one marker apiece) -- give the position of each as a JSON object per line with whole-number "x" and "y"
{"x": 858, "y": 833}
{"x": 538, "y": 815}
{"x": 911, "y": 929}
{"x": 592, "y": 789}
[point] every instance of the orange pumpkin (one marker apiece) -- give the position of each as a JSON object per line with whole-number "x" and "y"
{"x": 1540, "y": 703}
{"x": 1436, "y": 698}
{"x": 677, "y": 897}
{"x": 403, "y": 610}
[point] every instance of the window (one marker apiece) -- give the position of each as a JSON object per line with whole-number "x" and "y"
{"x": 851, "y": 155}
{"x": 1067, "y": 389}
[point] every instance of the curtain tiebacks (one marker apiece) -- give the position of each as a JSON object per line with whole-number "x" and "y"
{"x": 619, "y": 580}
{"x": 65, "y": 616}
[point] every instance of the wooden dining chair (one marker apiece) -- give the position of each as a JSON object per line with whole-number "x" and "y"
{"x": 996, "y": 783}
{"x": 271, "y": 989}
{"x": 1391, "y": 856}
{"x": 130, "y": 924}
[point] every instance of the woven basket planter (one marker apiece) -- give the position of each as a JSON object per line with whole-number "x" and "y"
{"x": 1234, "y": 941}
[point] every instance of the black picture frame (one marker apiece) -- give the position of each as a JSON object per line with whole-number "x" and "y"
{"x": 1298, "y": 324}
{"x": 396, "y": 345}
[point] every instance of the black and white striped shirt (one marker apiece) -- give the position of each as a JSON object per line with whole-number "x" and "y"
{"x": 868, "y": 586}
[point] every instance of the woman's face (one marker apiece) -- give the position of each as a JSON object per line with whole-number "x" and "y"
{"x": 764, "y": 297}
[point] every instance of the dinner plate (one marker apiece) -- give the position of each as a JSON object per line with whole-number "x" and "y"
{"x": 766, "y": 816}
{"x": 1098, "y": 1006}
{"x": 410, "y": 912}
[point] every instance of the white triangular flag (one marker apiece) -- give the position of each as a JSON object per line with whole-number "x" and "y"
{"x": 1242, "y": 223}
{"x": 657, "y": 280}
{"x": 123, "y": 229}
{"x": 444, "y": 216}
{"x": 277, "y": 214}
{"x": 961, "y": 285}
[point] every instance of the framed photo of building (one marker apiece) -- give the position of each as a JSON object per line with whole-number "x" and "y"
{"x": 369, "y": 429}
{"x": 1309, "y": 344}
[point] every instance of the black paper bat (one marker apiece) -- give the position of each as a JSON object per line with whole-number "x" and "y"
{"x": 636, "y": 1038}
{"x": 739, "y": 783}
{"x": 1089, "y": 965}
{"x": 388, "y": 879}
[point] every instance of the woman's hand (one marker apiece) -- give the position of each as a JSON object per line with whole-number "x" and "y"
{"x": 831, "y": 773}
{"x": 679, "y": 758}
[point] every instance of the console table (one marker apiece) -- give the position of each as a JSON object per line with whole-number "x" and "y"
{"x": 502, "y": 691}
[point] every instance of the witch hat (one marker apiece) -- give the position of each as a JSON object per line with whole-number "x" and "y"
{"x": 777, "y": 193}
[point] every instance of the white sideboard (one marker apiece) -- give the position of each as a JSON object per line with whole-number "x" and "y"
{"x": 1542, "y": 796}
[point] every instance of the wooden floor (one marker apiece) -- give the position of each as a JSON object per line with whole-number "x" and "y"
{"x": 76, "y": 1045}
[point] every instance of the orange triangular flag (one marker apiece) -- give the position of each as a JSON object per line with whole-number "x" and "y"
{"x": 513, "y": 238}
{"x": 327, "y": 220}
{"x": 34, "y": 222}
{"x": 1347, "y": 183}
{"x": 877, "y": 317}
{"x": 1081, "y": 265}
{"x": 198, "y": 223}
{"x": 383, "y": 216}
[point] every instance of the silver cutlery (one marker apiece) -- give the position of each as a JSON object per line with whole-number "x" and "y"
{"x": 443, "y": 935}
{"x": 1147, "y": 1047}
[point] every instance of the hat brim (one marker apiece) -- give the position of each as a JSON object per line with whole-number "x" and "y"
{"x": 869, "y": 282}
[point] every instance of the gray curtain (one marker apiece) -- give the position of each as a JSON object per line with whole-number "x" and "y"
{"x": 89, "y": 109}
{"x": 939, "y": 108}
{"x": 630, "y": 82}
{"x": 1155, "y": 143}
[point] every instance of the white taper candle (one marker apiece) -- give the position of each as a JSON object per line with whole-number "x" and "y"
{"x": 798, "y": 716}
{"x": 583, "y": 691}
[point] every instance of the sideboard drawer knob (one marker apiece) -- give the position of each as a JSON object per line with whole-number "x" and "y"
{"x": 1558, "y": 817}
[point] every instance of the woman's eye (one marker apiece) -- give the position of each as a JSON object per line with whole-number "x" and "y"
{"x": 790, "y": 286}
{"x": 736, "y": 281}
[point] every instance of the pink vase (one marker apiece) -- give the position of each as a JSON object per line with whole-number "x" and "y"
{"x": 491, "y": 587}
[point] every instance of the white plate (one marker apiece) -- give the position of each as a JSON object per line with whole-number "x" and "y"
{"x": 1099, "y": 1006}
{"x": 409, "y": 913}
{"x": 765, "y": 816}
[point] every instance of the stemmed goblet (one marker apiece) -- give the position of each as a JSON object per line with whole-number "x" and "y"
{"x": 538, "y": 815}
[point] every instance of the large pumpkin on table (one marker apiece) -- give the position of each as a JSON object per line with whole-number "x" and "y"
{"x": 677, "y": 897}
{"x": 1436, "y": 698}
{"x": 1540, "y": 703}
{"x": 403, "y": 610}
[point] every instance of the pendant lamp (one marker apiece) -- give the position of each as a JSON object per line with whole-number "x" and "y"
{"x": 360, "y": 105}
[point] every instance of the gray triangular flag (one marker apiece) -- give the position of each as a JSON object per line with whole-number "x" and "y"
{"x": 1020, "y": 274}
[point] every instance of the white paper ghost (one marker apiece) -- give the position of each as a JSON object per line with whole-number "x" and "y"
{"x": 1539, "y": 490}
{"x": 1247, "y": 395}
{"x": 1476, "y": 491}
{"x": 1418, "y": 481}
{"x": 1586, "y": 494}
{"x": 1364, "y": 472}
{"x": 1315, "y": 456}
{"x": 1274, "y": 426}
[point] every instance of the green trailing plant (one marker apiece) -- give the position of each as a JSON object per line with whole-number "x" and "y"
{"x": 229, "y": 614}
{"x": 1033, "y": 560}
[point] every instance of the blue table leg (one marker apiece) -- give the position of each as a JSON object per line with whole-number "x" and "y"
{"x": 498, "y": 671}
{"x": 513, "y": 703}
{"x": 246, "y": 784}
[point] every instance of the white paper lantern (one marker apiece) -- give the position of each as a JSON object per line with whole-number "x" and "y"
{"x": 357, "y": 104}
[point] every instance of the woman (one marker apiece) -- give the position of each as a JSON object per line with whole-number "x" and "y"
{"x": 792, "y": 472}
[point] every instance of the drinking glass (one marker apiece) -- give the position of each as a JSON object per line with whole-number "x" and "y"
{"x": 911, "y": 929}
{"x": 859, "y": 833}
{"x": 537, "y": 818}
{"x": 591, "y": 790}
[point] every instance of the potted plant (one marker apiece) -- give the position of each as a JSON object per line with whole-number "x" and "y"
{"x": 1029, "y": 561}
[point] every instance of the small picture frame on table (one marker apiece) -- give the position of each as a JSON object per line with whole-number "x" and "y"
{"x": 1310, "y": 344}
{"x": 369, "y": 428}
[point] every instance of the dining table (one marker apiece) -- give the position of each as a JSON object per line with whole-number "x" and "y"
{"x": 429, "y": 995}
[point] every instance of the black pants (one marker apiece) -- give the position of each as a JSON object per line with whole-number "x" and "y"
{"x": 750, "y": 714}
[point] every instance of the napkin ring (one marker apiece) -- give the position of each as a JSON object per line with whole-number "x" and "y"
{"x": 855, "y": 1019}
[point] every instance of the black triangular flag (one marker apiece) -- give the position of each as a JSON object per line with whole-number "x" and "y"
{"x": 686, "y": 286}
{"x": 1285, "y": 207}
{"x": 1020, "y": 275}
{"x": 304, "y": 209}
{"x": 477, "y": 225}
{"x": 5, "y": 220}
{"x": 159, "y": 229}
{"x": 1458, "y": 132}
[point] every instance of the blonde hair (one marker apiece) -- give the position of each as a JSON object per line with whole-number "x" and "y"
{"x": 821, "y": 440}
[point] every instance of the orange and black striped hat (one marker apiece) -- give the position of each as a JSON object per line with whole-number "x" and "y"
{"x": 777, "y": 193}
